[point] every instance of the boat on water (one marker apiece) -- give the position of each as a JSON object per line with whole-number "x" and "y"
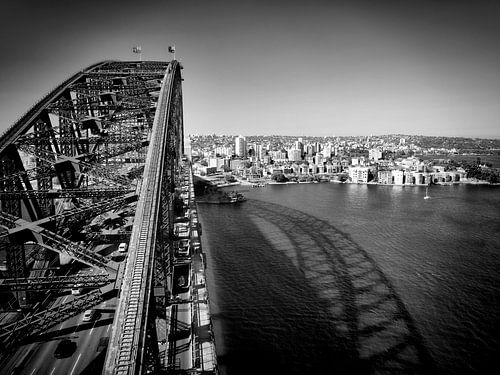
{"x": 427, "y": 196}
{"x": 236, "y": 197}
{"x": 181, "y": 281}
{"x": 222, "y": 198}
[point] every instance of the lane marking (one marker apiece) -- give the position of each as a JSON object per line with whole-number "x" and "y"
{"x": 79, "y": 355}
{"x": 64, "y": 300}
{"x": 33, "y": 371}
{"x": 54, "y": 369}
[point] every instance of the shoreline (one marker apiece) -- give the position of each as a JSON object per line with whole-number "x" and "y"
{"x": 246, "y": 183}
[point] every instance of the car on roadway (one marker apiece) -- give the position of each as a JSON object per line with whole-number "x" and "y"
{"x": 122, "y": 247}
{"x": 182, "y": 247}
{"x": 76, "y": 290}
{"x": 181, "y": 230}
{"x": 89, "y": 315}
{"x": 181, "y": 219}
{"x": 65, "y": 348}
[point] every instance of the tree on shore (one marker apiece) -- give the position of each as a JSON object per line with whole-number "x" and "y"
{"x": 230, "y": 178}
{"x": 480, "y": 173}
{"x": 279, "y": 177}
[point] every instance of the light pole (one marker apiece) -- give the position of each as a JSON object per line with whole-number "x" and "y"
{"x": 138, "y": 49}
{"x": 171, "y": 49}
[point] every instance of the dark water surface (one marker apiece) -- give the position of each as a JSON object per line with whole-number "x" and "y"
{"x": 338, "y": 278}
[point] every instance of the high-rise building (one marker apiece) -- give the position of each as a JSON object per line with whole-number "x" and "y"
{"x": 240, "y": 146}
{"x": 294, "y": 155}
{"x": 299, "y": 146}
{"x": 327, "y": 151}
{"x": 259, "y": 151}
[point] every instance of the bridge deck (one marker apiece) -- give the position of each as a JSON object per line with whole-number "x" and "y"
{"x": 129, "y": 328}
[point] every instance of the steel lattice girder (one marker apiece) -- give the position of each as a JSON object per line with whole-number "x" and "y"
{"x": 85, "y": 167}
{"x": 65, "y": 193}
{"x": 129, "y": 346}
{"x": 33, "y": 324}
{"x": 55, "y": 282}
{"x": 133, "y": 105}
{"x": 59, "y": 244}
{"x": 33, "y": 139}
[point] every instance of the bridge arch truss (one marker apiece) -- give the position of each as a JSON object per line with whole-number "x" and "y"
{"x": 107, "y": 139}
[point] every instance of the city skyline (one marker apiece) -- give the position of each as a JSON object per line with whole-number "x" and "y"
{"x": 291, "y": 68}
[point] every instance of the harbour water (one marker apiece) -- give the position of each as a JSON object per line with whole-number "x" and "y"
{"x": 340, "y": 278}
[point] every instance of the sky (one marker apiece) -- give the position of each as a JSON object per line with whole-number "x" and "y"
{"x": 319, "y": 68}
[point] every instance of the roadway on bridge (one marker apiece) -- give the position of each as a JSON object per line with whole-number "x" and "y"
{"x": 88, "y": 356}
{"x": 90, "y": 338}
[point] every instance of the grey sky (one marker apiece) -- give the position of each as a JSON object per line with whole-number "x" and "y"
{"x": 277, "y": 67}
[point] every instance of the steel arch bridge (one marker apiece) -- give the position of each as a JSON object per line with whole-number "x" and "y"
{"x": 103, "y": 147}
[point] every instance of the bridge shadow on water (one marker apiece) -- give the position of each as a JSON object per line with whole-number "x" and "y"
{"x": 371, "y": 331}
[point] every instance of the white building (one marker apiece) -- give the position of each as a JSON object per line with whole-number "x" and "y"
{"x": 217, "y": 163}
{"x": 398, "y": 177}
{"x": 375, "y": 154}
{"x": 327, "y": 151}
{"x": 294, "y": 155}
{"x": 358, "y": 174}
{"x": 224, "y": 150}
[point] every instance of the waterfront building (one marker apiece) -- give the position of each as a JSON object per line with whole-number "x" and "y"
{"x": 421, "y": 178}
{"x": 384, "y": 176}
{"x": 277, "y": 169}
{"x": 447, "y": 177}
{"x": 358, "y": 174}
{"x": 304, "y": 168}
{"x": 203, "y": 170}
{"x": 218, "y": 163}
{"x": 344, "y": 162}
{"x": 398, "y": 177}
{"x": 294, "y": 168}
{"x": 330, "y": 168}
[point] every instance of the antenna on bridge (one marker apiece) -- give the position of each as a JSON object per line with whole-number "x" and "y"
{"x": 171, "y": 49}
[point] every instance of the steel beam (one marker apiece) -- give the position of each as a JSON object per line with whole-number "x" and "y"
{"x": 65, "y": 193}
{"x": 33, "y": 324}
{"x": 122, "y": 97}
{"x": 55, "y": 282}
{"x": 130, "y": 343}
